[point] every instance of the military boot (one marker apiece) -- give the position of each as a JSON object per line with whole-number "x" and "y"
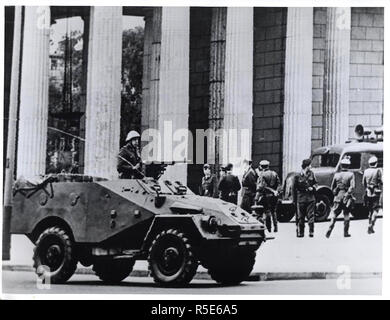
{"x": 346, "y": 229}
{"x": 329, "y": 232}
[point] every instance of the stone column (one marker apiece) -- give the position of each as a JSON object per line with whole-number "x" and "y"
{"x": 174, "y": 87}
{"x": 153, "y": 42}
{"x": 148, "y": 40}
{"x": 336, "y": 77}
{"x": 238, "y": 83}
{"x": 217, "y": 80}
{"x": 297, "y": 88}
{"x": 11, "y": 139}
{"x": 103, "y": 92}
{"x": 34, "y": 93}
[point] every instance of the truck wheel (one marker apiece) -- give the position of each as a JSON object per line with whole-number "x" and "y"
{"x": 171, "y": 259}
{"x": 113, "y": 271}
{"x": 232, "y": 267}
{"x": 54, "y": 255}
{"x": 322, "y": 209}
{"x": 285, "y": 212}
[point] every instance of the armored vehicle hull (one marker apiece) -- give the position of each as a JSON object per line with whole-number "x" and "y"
{"x": 111, "y": 224}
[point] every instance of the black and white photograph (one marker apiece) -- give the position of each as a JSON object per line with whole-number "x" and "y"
{"x": 222, "y": 149}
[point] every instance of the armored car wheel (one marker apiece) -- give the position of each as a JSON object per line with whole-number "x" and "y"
{"x": 171, "y": 258}
{"x": 232, "y": 266}
{"x": 54, "y": 255}
{"x": 113, "y": 271}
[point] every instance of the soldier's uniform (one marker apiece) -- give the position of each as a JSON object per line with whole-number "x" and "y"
{"x": 343, "y": 185}
{"x": 228, "y": 187}
{"x": 249, "y": 181}
{"x": 304, "y": 197}
{"x": 208, "y": 187}
{"x": 128, "y": 158}
{"x": 267, "y": 187}
{"x": 372, "y": 182}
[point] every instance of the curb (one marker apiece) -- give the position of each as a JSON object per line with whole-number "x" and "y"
{"x": 256, "y": 276}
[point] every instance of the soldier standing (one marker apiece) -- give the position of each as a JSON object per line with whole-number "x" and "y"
{"x": 372, "y": 182}
{"x": 304, "y": 187}
{"x": 249, "y": 180}
{"x": 267, "y": 189}
{"x": 343, "y": 185}
{"x": 229, "y": 185}
{"x": 209, "y": 183}
{"x": 129, "y": 158}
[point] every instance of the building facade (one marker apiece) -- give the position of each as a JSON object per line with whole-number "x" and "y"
{"x": 296, "y": 78}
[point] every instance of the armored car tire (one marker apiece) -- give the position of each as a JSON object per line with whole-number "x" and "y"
{"x": 113, "y": 271}
{"x": 232, "y": 266}
{"x": 54, "y": 255}
{"x": 172, "y": 261}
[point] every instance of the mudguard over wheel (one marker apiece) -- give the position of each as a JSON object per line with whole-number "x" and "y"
{"x": 113, "y": 271}
{"x": 232, "y": 266}
{"x": 54, "y": 255}
{"x": 172, "y": 261}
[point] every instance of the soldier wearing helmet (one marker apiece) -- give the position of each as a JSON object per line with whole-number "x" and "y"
{"x": 267, "y": 189}
{"x": 129, "y": 158}
{"x": 343, "y": 185}
{"x": 372, "y": 182}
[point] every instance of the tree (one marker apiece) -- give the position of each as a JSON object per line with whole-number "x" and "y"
{"x": 132, "y": 69}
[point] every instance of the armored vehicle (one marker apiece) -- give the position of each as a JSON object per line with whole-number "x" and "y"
{"x": 325, "y": 163}
{"x": 111, "y": 224}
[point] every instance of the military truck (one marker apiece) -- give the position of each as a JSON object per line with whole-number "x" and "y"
{"x": 325, "y": 163}
{"x": 109, "y": 225}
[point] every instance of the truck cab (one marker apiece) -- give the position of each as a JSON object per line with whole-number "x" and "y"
{"x": 325, "y": 163}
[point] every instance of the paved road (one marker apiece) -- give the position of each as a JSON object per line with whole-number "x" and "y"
{"x": 25, "y": 282}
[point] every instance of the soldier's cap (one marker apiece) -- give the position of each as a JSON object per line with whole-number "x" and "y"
{"x": 373, "y": 160}
{"x": 132, "y": 134}
{"x": 206, "y": 166}
{"x": 229, "y": 167}
{"x": 345, "y": 161}
{"x": 264, "y": 163}
{"x": 306, "y": 163}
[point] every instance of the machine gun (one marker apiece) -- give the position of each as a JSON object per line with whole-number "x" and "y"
{"x": 155, "y": 169}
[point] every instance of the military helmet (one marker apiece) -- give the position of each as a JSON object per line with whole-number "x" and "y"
{"x": 264, "y": 163}
{"x": 132, "y": 135}
{"x": 372, "y": 161}
{"x": 345, "y": 162}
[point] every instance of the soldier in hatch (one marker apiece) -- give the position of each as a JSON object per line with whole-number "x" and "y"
{"x": 129, "y": 158}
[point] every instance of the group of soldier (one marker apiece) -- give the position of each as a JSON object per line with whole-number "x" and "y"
{"x": 261, "y": 187}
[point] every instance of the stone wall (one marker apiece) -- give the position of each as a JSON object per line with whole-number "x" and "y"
{"x": 366, "y": 68}
{"x": 200, "y": 26}
{"x": 268, "y": 84}
{"x": 319, "y": 30}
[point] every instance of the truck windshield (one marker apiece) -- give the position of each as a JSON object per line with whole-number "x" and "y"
{"x": 325, "y": 160}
